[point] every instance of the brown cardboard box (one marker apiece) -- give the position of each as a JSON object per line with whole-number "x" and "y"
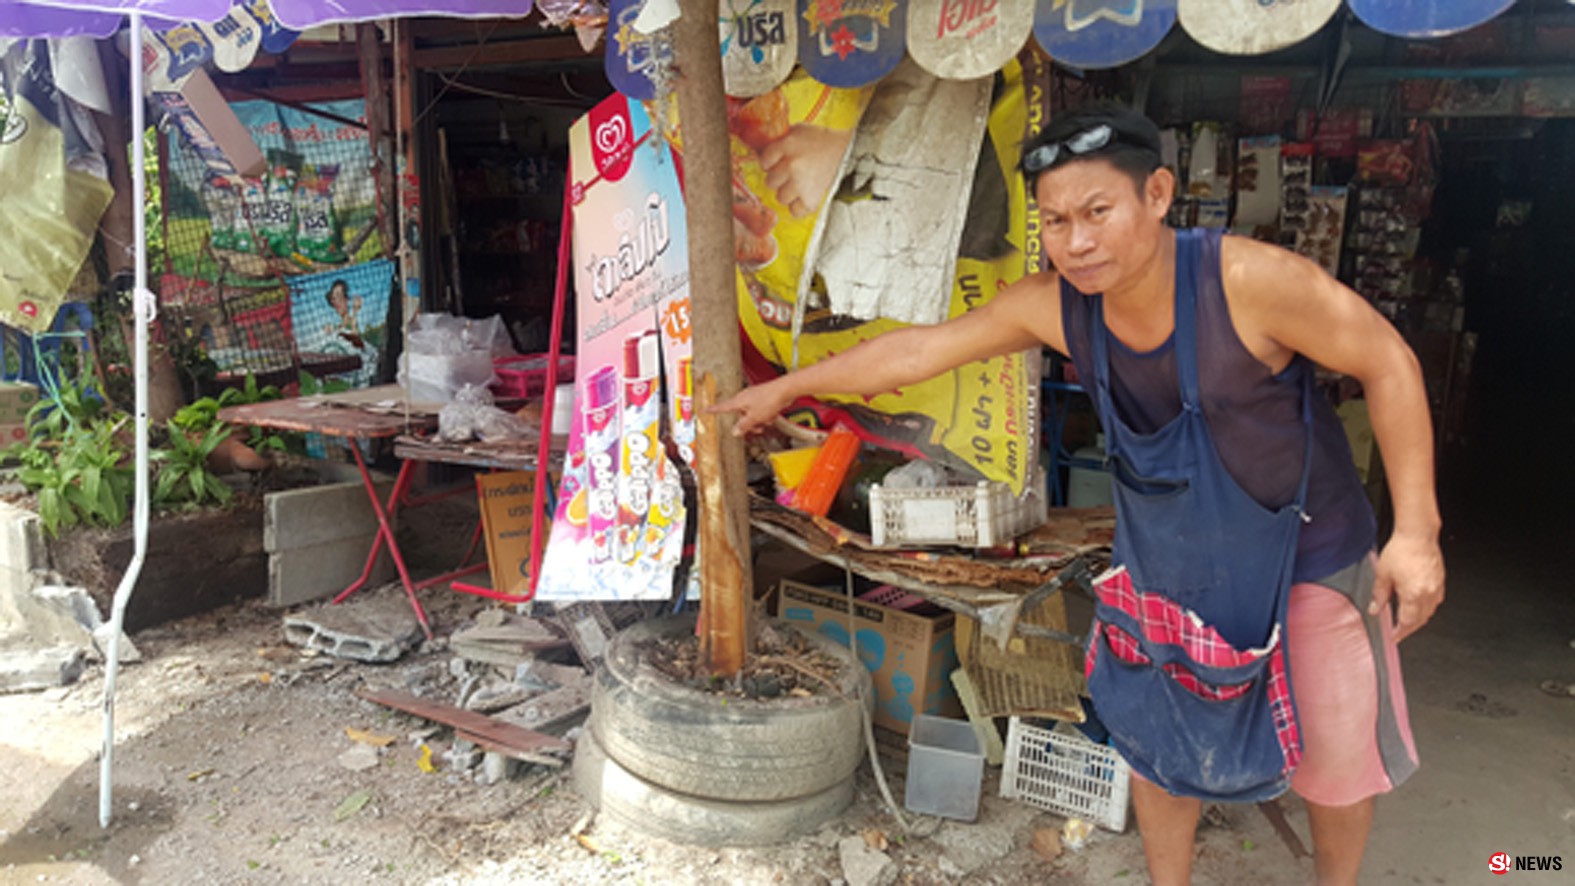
{"x": 505, "y": 516}
{"x": 909, "y": 655}
{"x": 16, "y": 398}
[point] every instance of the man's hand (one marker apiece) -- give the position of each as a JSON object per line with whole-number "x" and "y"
{"x": 802, "y": 166}
{"x": 1411, "y": 569}
{"x": 756, "y": 405}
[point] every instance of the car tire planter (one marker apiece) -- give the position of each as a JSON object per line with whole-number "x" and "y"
{"x": 705, "y": 745}
{"x": 656, "y": 811}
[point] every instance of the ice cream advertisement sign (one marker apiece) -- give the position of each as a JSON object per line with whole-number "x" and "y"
{"x": 618, "y": 530}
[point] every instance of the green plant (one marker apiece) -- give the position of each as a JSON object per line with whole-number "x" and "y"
{"x": 184, "y": 477}
{"x": 81, "y": 478}
{"x": 310, "y": 385}
{"x": 72, "y": 405}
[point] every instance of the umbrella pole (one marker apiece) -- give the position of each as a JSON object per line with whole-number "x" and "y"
{"x": 142, "y": 301}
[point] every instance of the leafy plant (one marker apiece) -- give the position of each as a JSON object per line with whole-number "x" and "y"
{"x": 84, "y": 480}
{"x": 74, "y": 405}
{"x": 184, "y": 477}
{"x": 310, "y": 385}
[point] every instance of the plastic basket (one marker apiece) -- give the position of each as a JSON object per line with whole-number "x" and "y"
{"x": 984, "y": 515}
{"x": 525, "y": 376}
{"x": 1067, "y": 774}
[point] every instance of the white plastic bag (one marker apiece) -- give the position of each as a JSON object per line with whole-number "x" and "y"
{"x": 444, "y": 353}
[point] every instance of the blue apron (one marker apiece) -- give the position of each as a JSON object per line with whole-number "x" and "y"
{"x": 1206, "y": 560}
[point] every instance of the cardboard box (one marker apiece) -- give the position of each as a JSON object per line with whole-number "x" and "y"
{"x": 505, "y": 517}
{"x": 909, "y": 655}
{"x": 16, "y": 398}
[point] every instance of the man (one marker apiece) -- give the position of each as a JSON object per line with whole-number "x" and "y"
{"x": 1214, "y": 436}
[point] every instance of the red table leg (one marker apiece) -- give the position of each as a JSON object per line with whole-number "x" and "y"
{"x": 385, "y": 533}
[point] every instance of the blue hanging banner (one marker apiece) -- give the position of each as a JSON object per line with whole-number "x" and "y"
{"x": 1101, "y": 33}
{"x": 632, "y": 57}
{"x": 276, "y": 38}
{"x": 850, "y": 43}
{"x": 1426, "y": 18}
{"x": 1253, "y": 27}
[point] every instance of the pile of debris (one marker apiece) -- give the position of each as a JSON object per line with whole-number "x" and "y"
{"x": 523, "y": 681}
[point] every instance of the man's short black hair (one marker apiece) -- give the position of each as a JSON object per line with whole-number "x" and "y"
{"x": 1134, "y": 146}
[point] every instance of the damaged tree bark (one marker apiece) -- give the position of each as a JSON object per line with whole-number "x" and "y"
{"x": 725, "y": 574}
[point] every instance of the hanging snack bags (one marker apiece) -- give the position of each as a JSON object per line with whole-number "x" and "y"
{"x": 278, "y": 223}
{"x": 249, "y": 213}
{"x": 317, "y": 227}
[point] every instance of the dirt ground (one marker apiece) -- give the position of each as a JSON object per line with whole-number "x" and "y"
{"x": 227, "y": 747}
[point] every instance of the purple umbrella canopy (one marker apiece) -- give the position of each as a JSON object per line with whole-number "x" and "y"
{"x": 101, "y": 18}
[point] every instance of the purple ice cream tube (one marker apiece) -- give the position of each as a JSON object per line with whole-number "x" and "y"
{"x": 601, "y": 460}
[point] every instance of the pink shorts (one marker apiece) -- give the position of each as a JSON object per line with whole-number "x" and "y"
{"x": 1350, "y": 700}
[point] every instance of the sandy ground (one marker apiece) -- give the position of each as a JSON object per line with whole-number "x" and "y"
{"x": 227, "y": 744}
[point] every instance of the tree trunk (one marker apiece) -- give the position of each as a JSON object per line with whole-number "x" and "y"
{"x": 725, "y": 568}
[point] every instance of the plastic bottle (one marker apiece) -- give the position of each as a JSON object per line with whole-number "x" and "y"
{"x": 819, "y": 489}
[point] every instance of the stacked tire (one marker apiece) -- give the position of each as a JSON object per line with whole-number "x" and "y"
{"x": 703, "y": 769}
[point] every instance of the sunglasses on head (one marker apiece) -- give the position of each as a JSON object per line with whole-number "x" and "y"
{"x": 1075, "y": 145}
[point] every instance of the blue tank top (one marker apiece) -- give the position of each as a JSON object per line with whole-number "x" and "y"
{"x": 1253, "y": 415}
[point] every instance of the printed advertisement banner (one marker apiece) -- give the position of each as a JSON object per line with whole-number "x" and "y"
{"x": 1102, "y": 33}
{"x": 851, "y": 42}
{"x": 790, "y": 150}
{"x": 618, "y": 530}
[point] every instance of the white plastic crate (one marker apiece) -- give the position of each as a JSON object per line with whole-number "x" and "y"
{"x": 1066, "y": 773}
{"x": 984, "y": 515}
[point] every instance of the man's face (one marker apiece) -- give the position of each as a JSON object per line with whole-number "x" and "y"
{"x": 1096, "y": 226}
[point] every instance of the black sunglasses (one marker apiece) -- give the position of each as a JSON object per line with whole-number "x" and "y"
{"x": 1076, "y": 145}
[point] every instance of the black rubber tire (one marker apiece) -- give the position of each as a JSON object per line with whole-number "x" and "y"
{"x": 641, "y": 806}
{"x": 704, "y": 745}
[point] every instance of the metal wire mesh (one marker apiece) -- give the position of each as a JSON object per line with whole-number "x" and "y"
{"x": 282, "y": 272}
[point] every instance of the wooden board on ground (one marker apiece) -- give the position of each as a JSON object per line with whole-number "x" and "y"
{"x": 479, "y": 727}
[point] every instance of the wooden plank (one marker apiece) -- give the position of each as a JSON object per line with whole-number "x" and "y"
{"x": 480, "y": 726}
{"x": 512, "y": 753}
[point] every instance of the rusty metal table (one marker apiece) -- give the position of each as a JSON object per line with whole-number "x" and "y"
{"x": 349, "y": 418}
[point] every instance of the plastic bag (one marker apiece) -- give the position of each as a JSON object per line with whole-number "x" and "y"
{"x": 444, "y": 353}
{"x": 472, "y": 416}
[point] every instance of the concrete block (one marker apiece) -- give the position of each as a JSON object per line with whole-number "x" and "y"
{"x": 24, "y": 670}
{"x": 375, "y": 629}
{"x": 321, "y": 571}
{"x": 21, "y": 540}
{"x": 300, "y": 518}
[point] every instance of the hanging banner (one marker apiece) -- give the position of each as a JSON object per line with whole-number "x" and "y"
{"x": 977, "y": 420}
{"x": 850, "y": 43}
{"x": 314, "y": 206}
{"x": 235, "y": 39}
{"x": 759, "y": 44}
{"x": 1101, "y": 33}
{"x": 55, "y": 183}
{"x": 892, "y": 254}
{"x": 340, "y": 313}
{"x": 964, "y": 39}
{"x": 618, "y": 530}
{"x": 1253, "y": 27}
{"x": 276, "y": 38}
{"x": 1440, "y": 18}
{"x": 633, "y": 59}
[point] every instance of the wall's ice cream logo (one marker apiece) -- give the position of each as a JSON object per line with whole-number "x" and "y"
{"x": 612, "y": 140}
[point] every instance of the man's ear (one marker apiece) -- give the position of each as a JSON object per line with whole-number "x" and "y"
{"x": 1159, "y": 191}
